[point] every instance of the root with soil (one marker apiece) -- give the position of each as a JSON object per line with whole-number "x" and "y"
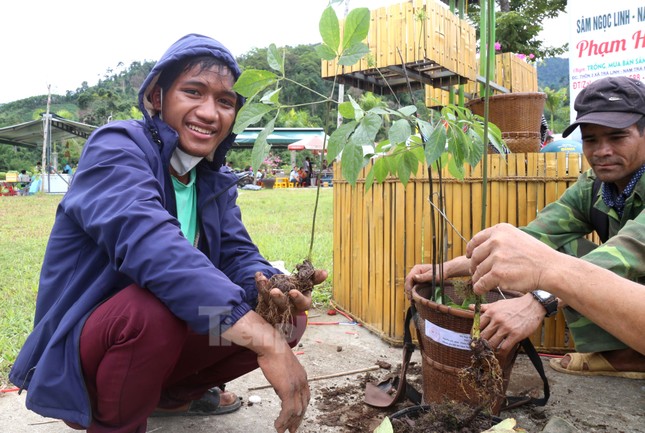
{"x": 446, "y": 417}
{"x": 484, "y": 375}
{"x": 302, "y": 280}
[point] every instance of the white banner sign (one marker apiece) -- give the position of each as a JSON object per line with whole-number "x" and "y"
{"x": 606, "y": 39}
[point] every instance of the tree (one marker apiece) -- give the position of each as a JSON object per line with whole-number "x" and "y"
{"x": 296, "y": 119}
{"x": 302, "y": 66}
{"x": 554, "y": 102}
{"x": 518, "y": 23}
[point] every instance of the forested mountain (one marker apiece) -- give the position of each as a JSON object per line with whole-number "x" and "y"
{"x": 553, "y": 73}
{"x": 115, "y": 97}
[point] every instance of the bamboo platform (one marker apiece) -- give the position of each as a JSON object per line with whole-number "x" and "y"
{"x": 417, "y": 43}
{"x": 421, "y": 44}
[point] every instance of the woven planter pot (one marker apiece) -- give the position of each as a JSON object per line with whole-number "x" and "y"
{"x": 443, "y": 333}
{"x": 518, "y": 116}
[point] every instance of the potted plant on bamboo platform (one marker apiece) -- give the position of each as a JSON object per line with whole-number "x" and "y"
{"x": 446, "y": 139}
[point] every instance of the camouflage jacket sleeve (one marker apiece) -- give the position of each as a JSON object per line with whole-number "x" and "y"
{"x": 569, "y": 218}
{"x": 624, "y": 253}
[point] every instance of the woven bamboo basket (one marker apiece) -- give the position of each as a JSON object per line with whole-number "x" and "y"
{"x": 518, "y": 116}
{"x": 443, "y": 333}
{"x": 522, "y": 142}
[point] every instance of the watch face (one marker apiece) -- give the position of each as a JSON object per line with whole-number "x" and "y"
{"x": 542, "y": 294}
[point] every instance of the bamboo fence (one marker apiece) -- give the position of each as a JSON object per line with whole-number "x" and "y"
{"x": 379, "y": 234}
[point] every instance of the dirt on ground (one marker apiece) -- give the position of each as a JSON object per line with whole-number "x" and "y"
{"x": 341, "y": 357}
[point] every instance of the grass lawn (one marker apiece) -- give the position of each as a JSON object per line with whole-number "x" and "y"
{"x": 278, "y": 220}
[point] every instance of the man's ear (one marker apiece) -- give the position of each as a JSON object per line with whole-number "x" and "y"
{"x": 155, "y": 98}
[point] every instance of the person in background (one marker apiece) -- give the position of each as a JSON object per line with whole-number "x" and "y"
{"x": 23, "y": 178}
{"x": 609, "y": 199}
{"x": 309, "y": 170}
{"x": 67, "y": 169}
{"x": 259, "y": 176}
{"x": 302, "y": 175}
{"x": 544, "y": 130}
{"x": 149, "y": 282}
{"x": 294, "y": 177}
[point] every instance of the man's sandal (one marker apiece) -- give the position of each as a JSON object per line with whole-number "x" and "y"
{"x": 208, "y": 405}
{"x": 592, "y": 364}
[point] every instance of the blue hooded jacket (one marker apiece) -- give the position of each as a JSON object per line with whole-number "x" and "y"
{"x": 117, "y": 225}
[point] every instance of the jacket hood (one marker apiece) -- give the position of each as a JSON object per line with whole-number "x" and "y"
{"x": 191, "y": 45}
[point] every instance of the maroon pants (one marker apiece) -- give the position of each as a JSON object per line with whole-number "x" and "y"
{"x": 136, "y": 355}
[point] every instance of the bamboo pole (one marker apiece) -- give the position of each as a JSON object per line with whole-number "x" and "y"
{"x": 326, "y": 376}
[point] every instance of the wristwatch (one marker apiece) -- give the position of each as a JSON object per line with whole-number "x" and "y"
{"x": 548, "y": 301}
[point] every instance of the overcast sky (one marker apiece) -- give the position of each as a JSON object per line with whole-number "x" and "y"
{"x": 63, "y": 43}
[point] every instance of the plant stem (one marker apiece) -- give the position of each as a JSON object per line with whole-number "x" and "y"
{"x": 475, "y": 331}
{"x": 322, "y": 155}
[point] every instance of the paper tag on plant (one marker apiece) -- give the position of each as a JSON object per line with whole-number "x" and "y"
{"x": 447, "y": 337}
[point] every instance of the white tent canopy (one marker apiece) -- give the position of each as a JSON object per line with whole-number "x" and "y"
{"x": 30, "y": 134}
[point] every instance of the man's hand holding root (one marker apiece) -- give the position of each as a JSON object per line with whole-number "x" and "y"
{"x": 505, "y": 257}
{"x": 297, "y": 301}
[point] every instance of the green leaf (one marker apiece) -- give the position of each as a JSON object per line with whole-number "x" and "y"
{"x": 324, "y": 52}
{"x": 436, "y": 144}
{"x": 411, "y": 163}
{"x": 330, "y": 29}
{"x": 358, "y": 111}
{"x": 353, "y": 54}
{"x": 381, "y": 111}
{"x": 346, "y": 109}
{"x": 456, "y": 169}
{"x": 261, "y": 147}
{"x": 495, "y": 138}
{"x": 339, "y": 138}
{"x": 272, "y": 97}
{"x": 402, "y": 169}
{"x": 275, "y": 59}
{"x": 506, "y": 426}
{"x": 425, "y": 128}
{"x": 351, "y": 161}
{"x": 476, "y": 151}
{"x": 357, "y": 25}
{"x": 252, "y": 81}
{"x": 250, "y": 114}
{"x": 385, "y": 426}
{"x": 369, "y": 179}
{"x": 408, "y": 110}
{"x": 367, "y": 129}
{"x": 381, "y": 169}
{"x": 399, "y": 132}
{"x": 383, "y": 146}
{"x": 418, "y": 151}
{"x": 457, "y": 143}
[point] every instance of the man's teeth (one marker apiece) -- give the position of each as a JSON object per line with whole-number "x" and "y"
{"x": 198, "y": 129}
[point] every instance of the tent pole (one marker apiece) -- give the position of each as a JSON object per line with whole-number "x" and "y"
{"x": 46, "y": 122}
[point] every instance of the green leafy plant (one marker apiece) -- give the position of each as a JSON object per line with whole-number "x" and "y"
{"x": 450, "y": 137}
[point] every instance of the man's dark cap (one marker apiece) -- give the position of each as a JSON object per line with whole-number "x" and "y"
{"x": 615, "y": 102}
